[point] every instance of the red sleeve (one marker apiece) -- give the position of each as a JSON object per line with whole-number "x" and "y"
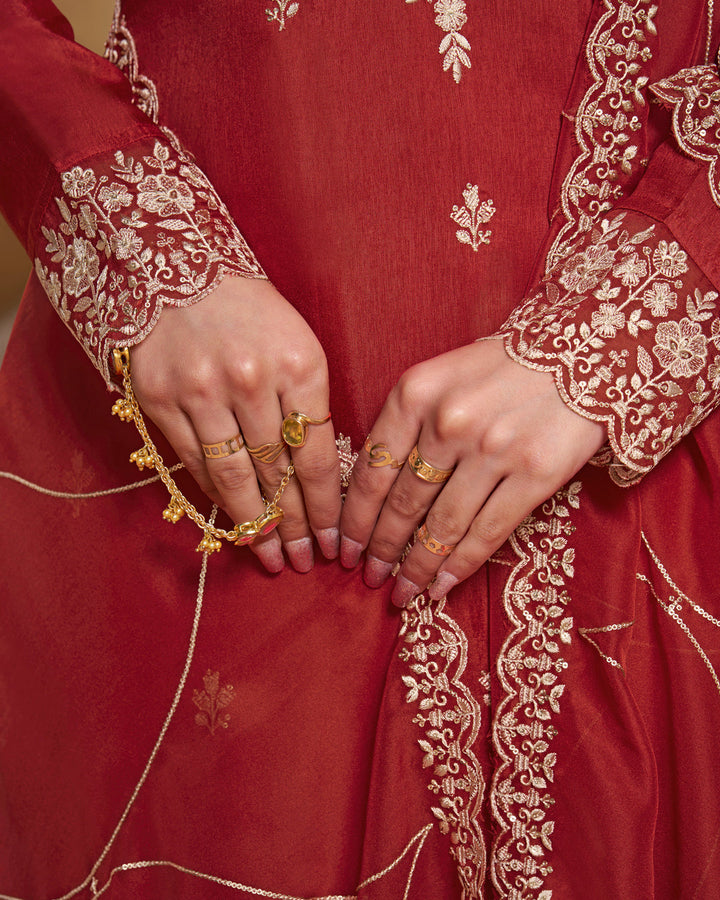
{"x": 119, "y": 219}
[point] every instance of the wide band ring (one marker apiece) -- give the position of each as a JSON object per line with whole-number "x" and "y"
{"x": 423, "y": 469}
{"x": 429, "y": 542}
{"x": 381, "y": 456}
{"x": 266, "y": 453}
{"x": 222, "y": 449}
{"x": 295, "y": 425}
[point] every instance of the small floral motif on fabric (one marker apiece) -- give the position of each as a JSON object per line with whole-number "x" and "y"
{"x": 449, "y": 716}
{"x": 694, "y": 97}
{"x": 211, "y": 701}
{"x": 281, "y": 12}
{"x": 609, "y": 119}
{"x": 471, "y": 217}
{"x": 450, "y": 16}
{"x": 130, "y": 236}
{"x": 531, "y": 666}
{"x": 121, "y": 51}
{"x": 629, "y": 326}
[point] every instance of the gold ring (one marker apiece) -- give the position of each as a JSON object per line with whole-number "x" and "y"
{"x": 423, "y": 469}
{"x": 266, "y": 453}
{"x": 381, "y": 456}
{"x": 294, "y": 427}
{"x": 436, "y": 547}
{"x": 223, "y": 448}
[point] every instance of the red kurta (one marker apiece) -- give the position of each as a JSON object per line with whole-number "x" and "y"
{"x": 174, "y": 725}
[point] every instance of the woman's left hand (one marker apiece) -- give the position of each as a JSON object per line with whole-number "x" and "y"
{"x": 510, "y": 442}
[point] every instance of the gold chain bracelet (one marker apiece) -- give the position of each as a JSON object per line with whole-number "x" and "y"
{"x": 148, "y": 457}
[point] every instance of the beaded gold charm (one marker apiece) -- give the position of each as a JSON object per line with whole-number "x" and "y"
{"x": 174, "y": 512}
{"x": 123, "y": 410}
{"x": 142, "y": 458}
{"x": 209, "y": 544}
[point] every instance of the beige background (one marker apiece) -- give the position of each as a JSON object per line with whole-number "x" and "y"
{"x": 91, "y": 22}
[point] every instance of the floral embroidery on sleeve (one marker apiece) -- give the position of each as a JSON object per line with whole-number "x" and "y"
{"x": 694, "y": 96}
{"x": 130, "y": 235}
{"x": 629, "y": 327}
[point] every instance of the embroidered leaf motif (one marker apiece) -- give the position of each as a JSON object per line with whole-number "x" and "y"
{"x": 211, "y": 701}
{"x": 471, "y": 216}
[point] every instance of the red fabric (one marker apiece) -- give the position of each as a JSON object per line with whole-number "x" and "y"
{"x": 549, "y": 731}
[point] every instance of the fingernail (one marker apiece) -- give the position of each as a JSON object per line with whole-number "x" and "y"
{"x": 270, "y": 555}
{"x": 300, "y": 553}
{"x": 442, "y": 586}
{"x": 329, "y": 542}
{"x": 404, "y": 592}
{"x": 376, "y": 571}
{"x": 350, "y": 552}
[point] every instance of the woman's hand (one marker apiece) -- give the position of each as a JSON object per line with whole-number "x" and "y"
{"x": 510, "y": 441}
{"x": 239, "y": 361}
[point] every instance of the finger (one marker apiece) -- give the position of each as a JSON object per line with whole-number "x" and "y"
{"x": 446, "y": 523}
{"x": 509, "y": 504}
{"x": 234, "y": 478}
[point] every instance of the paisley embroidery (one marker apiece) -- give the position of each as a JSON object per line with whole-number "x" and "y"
{"x": 471, "y": 216}
{"x": 135, "y": 235}
{"x": 450, "y": 16}
{"x": 284, "y": 10}
{"x": 436, "y": 652}
{"x": 608, "y": 119}
{"x": 211, "y": 701}
{"x": 530, "y": 666}
{"x": 630, "y": 329}
{"x": 694, "y": 97}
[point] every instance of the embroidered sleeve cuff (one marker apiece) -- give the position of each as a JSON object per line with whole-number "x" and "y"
{"x": 129, "y": 234}
{"x": 694, "y": 97}
{"x": 628, "y": 324}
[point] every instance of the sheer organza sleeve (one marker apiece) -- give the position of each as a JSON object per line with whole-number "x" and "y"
{"x": 628, "y": 319}
{"x": 118, "y": 218}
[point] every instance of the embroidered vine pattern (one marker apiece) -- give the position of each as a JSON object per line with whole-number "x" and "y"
{"x": 530, "y": 667}
{"x": 211, "y": 701}
{"x": 608, "y": 120}
{"x": 450, "y": 16}
{"x": 471, "y": 217}
{"x": 120, "y": 50}
{"x": 694, "y": 96}
{"x": 281, "y": 12}
{"x": 436, "y": 652}
{"x": 134, "y": 236}
{"x": 585, "y": 323}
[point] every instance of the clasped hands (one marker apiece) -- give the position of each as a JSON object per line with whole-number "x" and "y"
{"x": 243, "y": 359}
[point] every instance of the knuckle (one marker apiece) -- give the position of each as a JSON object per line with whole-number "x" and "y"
{"x": 305, "y": 364}
{"x": 445, "y": 526}
{"x": 404, "y": 504}
{"x": 496, "y": 439}
{"x": 366, "y": 480}
{"x": 246, "y": 375}
{"x": 230, "y": 478}
{"x": 409, "y": 389}
{"x": 536, "y": 463}
{"x": 453, "y": 422}
{"x": 488, "y": 532}
{"x": 318, "y": 468}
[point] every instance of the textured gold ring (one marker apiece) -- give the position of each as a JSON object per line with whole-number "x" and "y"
{"x": 423, "y": 469}
{"x": 381, "y": 456}
{"x": 223, "y": 448}
{"x": 266, "y": 453}
{"x": 429, "y": 542}
{"x": 295, "y": 425}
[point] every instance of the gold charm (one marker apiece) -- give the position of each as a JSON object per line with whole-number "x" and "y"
{"x": 123, "y": 410}
{"x": 269, "y": 520}
{"x": 143, "y": 458}
{"x": 209, "y": 544}
{"x": 174, "y": 512}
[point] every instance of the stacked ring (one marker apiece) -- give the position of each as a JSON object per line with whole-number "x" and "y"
{"x": 293, "y": 432}
{"x": 434, "y": 546}
{"x": 223, "y": 448}
{"x": 423, "y": 469}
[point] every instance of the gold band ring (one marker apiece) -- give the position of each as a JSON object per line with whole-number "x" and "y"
{"x": 423, "y": 469}
{"x": 381, "y": 456}
{"x": 266, "y": 453}
{"x": 294, "y": 427}
{"x": 223, "y": 448}
{"x": 436, "y": 547}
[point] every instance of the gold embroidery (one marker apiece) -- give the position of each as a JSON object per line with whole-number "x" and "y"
{"x": 607, "y": 166}
{"x": 450, "y": 17}
{"x": 605, "y": 629}
{"x": 436, "y": 653}
{"x": 529, "y": 666}
{"x": 120, "y": 49}
{"x": 211, "y": 701}
{"x": 584, "y": 325}
{"x": 694, "y": 97}
{"x": 471, "y": 216}
{"x": 284, "y": 10}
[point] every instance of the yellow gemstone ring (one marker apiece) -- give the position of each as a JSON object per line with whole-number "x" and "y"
{"x": 294, "y": 427}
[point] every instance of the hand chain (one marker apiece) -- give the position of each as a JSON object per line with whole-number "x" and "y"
{"x": 149, "y": 457}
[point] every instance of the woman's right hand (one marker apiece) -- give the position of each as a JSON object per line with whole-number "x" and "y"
{"x": 240, "y": 360}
